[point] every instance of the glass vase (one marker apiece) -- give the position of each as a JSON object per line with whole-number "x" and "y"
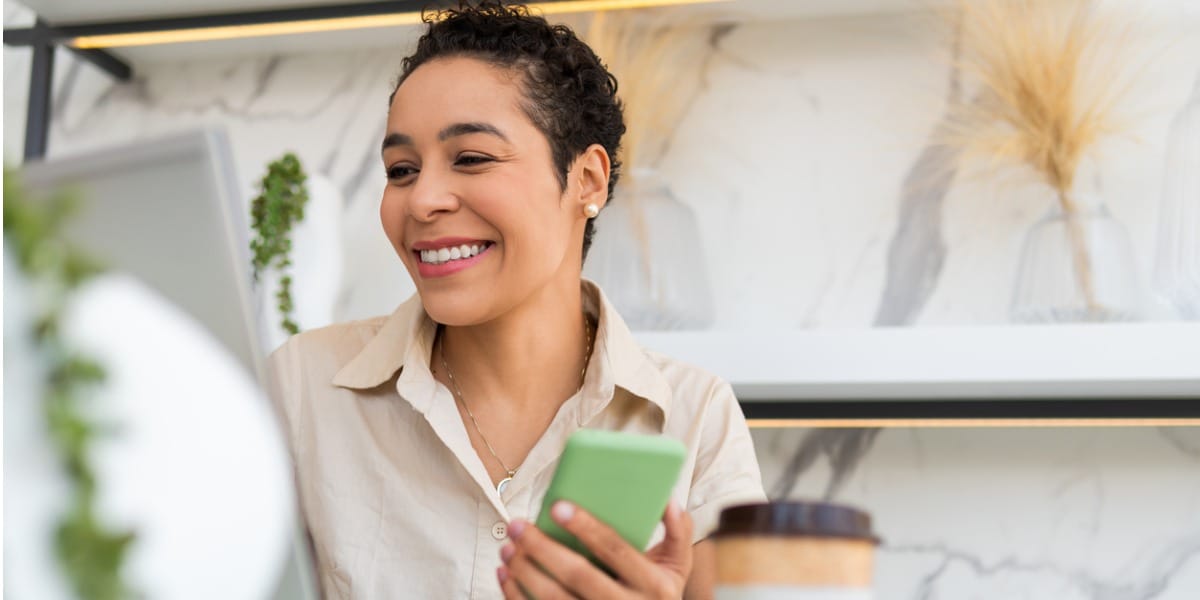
{"x": 648, "y": 257}
{"x": 1177, "y": 261}
{"x": 1076, "y": 266}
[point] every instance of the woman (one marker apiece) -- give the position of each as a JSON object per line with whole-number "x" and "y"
{"x": 425, "y": 440}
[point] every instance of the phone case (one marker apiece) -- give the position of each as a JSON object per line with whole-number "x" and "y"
{"x": 623, "y": 479}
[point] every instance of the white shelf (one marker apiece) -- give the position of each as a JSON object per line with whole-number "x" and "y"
{"x": 1139, "y": 360}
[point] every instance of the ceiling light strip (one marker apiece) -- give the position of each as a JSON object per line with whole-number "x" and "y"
{"x": 205, "y": 34}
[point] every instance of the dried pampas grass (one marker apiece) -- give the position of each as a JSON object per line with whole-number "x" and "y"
{"x": 657, "y": 64}
{"x": 1048, "y": 78}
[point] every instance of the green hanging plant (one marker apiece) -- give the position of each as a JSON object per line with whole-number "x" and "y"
{"x": 279, "y": 206}
{"x": 89, "y": 554}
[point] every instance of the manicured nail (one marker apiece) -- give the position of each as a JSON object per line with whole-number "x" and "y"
{"x": 562, "y": 511}
{"x": 502, "y": 574}
{"x": 516, "y": 528}
{"x": 507, "y": 552}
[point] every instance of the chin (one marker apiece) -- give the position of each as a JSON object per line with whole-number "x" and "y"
{"x": 454, "y": 308}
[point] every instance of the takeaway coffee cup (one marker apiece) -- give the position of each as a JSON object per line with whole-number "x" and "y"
{"x": 794, "y": 550}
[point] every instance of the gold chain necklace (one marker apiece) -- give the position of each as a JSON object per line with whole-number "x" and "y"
{"x": 459, "y": 395}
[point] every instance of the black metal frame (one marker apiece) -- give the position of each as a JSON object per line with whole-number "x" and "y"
{"x": 41, "y": 80}
{"x": 975, "y": 409}
{"x": 43, "y": 38}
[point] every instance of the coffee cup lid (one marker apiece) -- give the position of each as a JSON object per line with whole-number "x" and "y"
{"x": 814, "y": 519}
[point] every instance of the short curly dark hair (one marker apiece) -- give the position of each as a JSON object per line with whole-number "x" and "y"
{"x": 569, "y": 94}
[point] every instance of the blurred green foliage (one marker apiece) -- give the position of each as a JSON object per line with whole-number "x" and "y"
{"x": 89, "y": 553}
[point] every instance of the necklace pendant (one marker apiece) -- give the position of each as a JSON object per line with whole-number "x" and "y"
{"x": 503, "y": 484}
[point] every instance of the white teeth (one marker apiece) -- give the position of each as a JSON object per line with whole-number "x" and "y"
{"x": 454, "y": 253}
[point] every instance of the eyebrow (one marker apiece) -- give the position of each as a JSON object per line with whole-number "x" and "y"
{"x": 457, "y": 129}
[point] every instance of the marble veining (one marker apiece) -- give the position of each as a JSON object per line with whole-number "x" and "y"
{"x": 843, "y": 448}
{"x": 917, "y": 249}
{"x": 1015, "y": 577}
{"x": 1178, "y": 438}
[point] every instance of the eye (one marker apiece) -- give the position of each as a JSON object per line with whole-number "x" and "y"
{"x": 399, "y": 172}
{"x": 471, "y": 160}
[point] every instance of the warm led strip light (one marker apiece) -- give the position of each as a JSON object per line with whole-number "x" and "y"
{"x": 968, "y": 423}
{"x": 206, "y": 34}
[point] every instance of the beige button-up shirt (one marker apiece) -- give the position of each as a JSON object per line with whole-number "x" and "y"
{"x": 397, "y": 501}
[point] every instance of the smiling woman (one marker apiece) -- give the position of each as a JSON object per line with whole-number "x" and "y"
{"x": 425, "y": 440}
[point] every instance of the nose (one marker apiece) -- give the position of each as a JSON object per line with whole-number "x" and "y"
{"x": 432, "y": 195}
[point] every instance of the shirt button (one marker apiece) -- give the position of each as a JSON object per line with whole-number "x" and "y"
{"x": 500, "y": 530}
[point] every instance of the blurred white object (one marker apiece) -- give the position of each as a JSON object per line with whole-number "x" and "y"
{"x": 316, "y": 269}
{"x": 196, "y": 466}
{"x": 1177, "y": 264}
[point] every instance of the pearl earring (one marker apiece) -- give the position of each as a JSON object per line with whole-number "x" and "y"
{"x": 591, "y": 210}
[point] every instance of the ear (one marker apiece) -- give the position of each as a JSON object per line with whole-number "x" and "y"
{"x": 591, "y": 171}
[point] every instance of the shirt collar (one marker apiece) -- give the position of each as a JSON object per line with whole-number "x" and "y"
{"x": 406, "y": 338}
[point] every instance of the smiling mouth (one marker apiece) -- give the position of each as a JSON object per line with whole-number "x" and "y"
{"x": 452, "y": 253}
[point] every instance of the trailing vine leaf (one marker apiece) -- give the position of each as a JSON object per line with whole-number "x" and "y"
{"x": 278, "y": 207}
{"x": 89, "y": 553}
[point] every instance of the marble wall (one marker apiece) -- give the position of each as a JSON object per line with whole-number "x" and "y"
{"x": 794, "y": 155}
{"x": 1045, "y": 513}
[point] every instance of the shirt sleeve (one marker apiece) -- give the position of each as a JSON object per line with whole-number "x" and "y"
{"x": 727, "y": 470}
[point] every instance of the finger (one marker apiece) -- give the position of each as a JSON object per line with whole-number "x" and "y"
{"x": 609, "y": 547}
{"x": 508, "y": 585}
{"x": 513, "y": 591}
{"x": 535, "y": 582}
{"x": 675, "y": 550}
{"x": 574, "y": 572}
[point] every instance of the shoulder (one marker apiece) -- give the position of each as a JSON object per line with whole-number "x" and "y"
{"x": 694, "y": 399}
{"x": 689, "y": 383}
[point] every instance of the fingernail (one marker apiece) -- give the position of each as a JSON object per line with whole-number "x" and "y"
{"x": 502, "y": 574}
{"x": 562, "y": 511}
{"x": 515, "y": 529}
{"x": 507, "y": 552}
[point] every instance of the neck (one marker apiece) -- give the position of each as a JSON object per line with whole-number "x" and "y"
{"x": 529, "y": 358}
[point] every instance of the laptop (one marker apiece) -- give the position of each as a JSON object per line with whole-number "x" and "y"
{"x": 170, "y": 212}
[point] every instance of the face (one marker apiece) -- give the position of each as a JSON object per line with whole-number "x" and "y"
{"x": 473, "y": 206}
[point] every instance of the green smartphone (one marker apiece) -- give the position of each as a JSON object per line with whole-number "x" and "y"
{"x": 623, "y": 479}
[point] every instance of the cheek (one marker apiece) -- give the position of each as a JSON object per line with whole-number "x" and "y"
{"x": 544, "y": 236}
{"x": 529, "y": 222}
{"x": 391, "y": 215}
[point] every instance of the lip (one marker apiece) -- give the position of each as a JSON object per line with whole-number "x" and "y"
{"x": 446, "y": 242}
{"x": 429, "y": 271}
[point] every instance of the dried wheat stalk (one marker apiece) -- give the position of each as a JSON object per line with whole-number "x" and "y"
{"x": 1046, "y": 72}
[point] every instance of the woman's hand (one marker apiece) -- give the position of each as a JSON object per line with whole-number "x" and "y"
{"x": 547, "y": 570}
